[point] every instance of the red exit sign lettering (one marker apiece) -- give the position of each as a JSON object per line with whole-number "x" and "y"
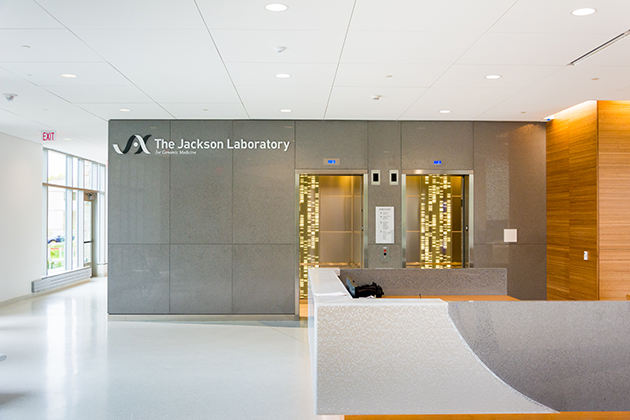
{"x": 49, "y": 135}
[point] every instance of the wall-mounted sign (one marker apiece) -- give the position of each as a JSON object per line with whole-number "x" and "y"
{"x": 437, "y": 162}
{"x": 190, "y": 147}
{"x": 384, "y": 225}
{"x": 331, "y": 162}
{"x": 49, "y": 135}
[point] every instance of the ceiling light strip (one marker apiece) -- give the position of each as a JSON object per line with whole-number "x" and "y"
{"x": 601, "y": 47}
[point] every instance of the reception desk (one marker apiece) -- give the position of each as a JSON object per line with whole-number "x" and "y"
{"x": 429, "y": 356}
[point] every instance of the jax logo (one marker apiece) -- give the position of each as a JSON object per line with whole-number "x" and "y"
{"x": 135, "y": 141}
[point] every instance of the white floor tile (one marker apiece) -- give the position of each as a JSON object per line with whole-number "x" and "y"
{"x": 66, "y": 361}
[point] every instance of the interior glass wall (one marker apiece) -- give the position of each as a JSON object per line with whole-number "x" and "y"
{"x": 435, "y": 221}
{"x": 330, "y": 223}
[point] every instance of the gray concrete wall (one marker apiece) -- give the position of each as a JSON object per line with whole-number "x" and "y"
{"x": 215, "y": 232}
{"x": 432, "y": 282}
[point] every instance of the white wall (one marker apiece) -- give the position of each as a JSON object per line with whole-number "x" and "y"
{"x": 21, "y": 249}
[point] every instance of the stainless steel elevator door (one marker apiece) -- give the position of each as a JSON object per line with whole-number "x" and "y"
{"x": 436, "y": 221}
{"x": 330, "y": 223}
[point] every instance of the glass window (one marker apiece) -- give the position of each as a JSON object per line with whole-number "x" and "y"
{"x": 76, "y": 175}
{"x": 87, "y": 175}
{"x": 75, "y": 233}
{"x": 56, "y": 168}
{"x": 56, "y": 229}
{"x": 87, "y": 233}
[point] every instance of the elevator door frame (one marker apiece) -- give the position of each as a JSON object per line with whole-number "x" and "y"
{"x": 470, "y": 215}
{"x": 364, "y": 221}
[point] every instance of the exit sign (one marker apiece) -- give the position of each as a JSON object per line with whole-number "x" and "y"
{"x": 49, "y": 135}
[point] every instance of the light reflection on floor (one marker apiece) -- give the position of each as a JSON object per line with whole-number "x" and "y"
{"x": 66, "y": 361}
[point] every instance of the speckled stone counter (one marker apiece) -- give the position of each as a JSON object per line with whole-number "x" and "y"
{"x": 414, "y": 281}
{"x": 391, "y": 356}
{"x": 571, "y": 356}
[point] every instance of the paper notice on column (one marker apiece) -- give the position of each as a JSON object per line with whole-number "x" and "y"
{"x": 384, "y": 225}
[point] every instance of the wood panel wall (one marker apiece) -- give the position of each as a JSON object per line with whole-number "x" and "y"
{"x": 588, "y": 202}
{"x": 572, "y": 204}
{"x": 557, "y": 208}
{"x": 614, "y": 199}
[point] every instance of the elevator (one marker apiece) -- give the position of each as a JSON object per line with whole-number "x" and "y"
{"x": 330, "y": 218}
{"x": 437, "y": 216}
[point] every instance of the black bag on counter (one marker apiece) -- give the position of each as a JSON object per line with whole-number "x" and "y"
{"x": 363, "y": 291}
{"x": 369, "y": 290}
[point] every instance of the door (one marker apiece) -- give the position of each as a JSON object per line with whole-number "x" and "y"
{"x": 437, "y": 221}
{"x": 330, "y": 223}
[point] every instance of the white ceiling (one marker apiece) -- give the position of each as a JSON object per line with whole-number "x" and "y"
{"x": 215, "y": 59}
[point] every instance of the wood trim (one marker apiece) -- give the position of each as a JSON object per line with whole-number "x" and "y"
{"x": 578, "y": 415}
{"x": 65, "y": 187}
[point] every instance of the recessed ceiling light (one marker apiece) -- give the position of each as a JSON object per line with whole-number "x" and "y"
{"x": 283, "y": 75}
{"x": 285, "y": 110}
{"x": 584, "y": 12}
{"x": 25, "y": 46}
{"x": 389, "y": 76}
{"x": 276, "y": 7}
{"x": 595, "y": 78}
{"x": 124, "y": 110}
{"x": 445, "y": 111}
{"x": 69, "y": 76}
{"x": 205, "y": 109}
{"x": 67, "y": 138}
{"x": 493, "y": 76}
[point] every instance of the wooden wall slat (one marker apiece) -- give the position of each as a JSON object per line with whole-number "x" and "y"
{"x": 614, "y": 199}
{"x": 572, "y": 155}
{"x": 557, "y": 209}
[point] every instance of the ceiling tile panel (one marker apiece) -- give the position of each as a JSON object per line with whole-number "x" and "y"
{"x": 258, "y": 46}
{"x": 283, "y": 95}
{"x": 531, "y": 49}
{"x": 138, "y": 111}
{"x": 307, "y": 110}
{"x": 619, "y": 95}
{"x": 264, "y": 74}
{"x": 405, "y": 47}
{"x": 402, "y": 75}
{"x": 201, "y": 111}
{"x": 301, "y": 15}
{"x": 359, "y": 102}
{"x": 45, "y": 45}
{"x": 153, "y": 57}
{"x": 50, "y": 74}
{"x": 25, "y": 14}
{"x": 554, "y": 17}
{"x": 99, "y": 94}
{"x": 188, "y": 93}
{"x": 266, "y": 102}
{"x": 125, "y": 14}
{"x": 464, "y": 103}
{"x": 470, "y": 17}
{"x": 474, "y": 76}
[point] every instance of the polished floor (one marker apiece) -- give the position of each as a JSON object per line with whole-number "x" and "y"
{"x": 66, "y": 361}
